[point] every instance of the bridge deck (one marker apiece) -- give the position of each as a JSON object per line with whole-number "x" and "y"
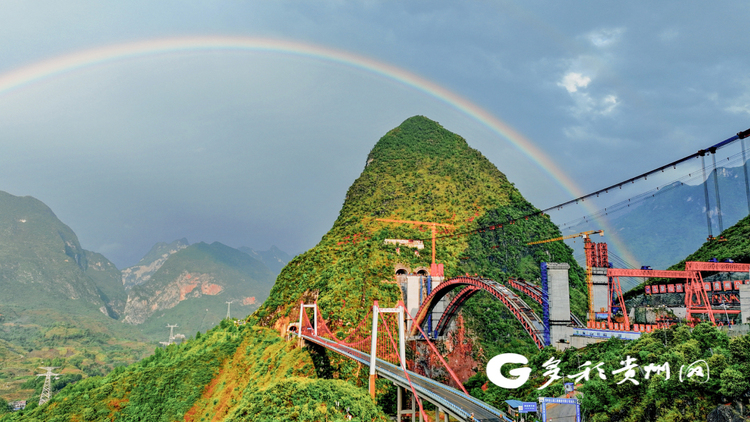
{"x": 452, "y": 401}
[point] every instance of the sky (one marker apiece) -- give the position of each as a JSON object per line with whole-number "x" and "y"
{"x": 245, "y": 122}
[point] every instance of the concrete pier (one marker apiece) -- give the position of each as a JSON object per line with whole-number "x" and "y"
{"x": 600, "y": 289}
{"x": 559, "y": 302}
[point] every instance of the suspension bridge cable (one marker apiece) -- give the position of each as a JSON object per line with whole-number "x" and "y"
{"x": 634, "y": 200}
{"x": 744, "y": 168}
{"x": 716, "y": 192}
{"x": 705, "y": 193}
{"x": 701, "y": 153}
{"x": 403, "y": 368}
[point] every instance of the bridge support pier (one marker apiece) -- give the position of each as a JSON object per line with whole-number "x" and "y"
{"x": 559, "y": 305}
{"x": 600, "y": 290}
{"x": 412, "y": 411}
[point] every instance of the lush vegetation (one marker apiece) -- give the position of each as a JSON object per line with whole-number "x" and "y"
{"x": 231, "y": 373}
{"x": 735, "y": 246}
{"x": 655, "y": 399}
{"x": 503, "y": 253}
{"x": 419, "y": 171}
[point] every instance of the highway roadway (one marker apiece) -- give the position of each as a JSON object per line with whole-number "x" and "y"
{"x": 454, "y": 402}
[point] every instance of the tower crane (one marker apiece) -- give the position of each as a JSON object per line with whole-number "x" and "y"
{"x": 584, "y": 235}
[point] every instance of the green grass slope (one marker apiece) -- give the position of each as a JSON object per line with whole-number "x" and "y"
{"x": 227, "y": 374}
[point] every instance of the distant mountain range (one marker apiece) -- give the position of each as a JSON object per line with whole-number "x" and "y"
{"x": 149, "y": 264}
{"x": 274, "y": 258}
{"x": 56, "y": 294}
{"x": 662, "y": 229}
{"x": 198, "y": 277}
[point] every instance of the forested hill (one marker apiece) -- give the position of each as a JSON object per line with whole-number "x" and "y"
{"x": 417, "y": 171}
{"x": 734, "y": 245}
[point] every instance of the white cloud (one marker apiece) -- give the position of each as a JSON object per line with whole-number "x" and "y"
{"x": 586, "y": 104}
{"x": 608, "y": 104}
{"x": 573, "y": 80}
{"x": 739, "y": 107}
{"x": 605, "y": 37}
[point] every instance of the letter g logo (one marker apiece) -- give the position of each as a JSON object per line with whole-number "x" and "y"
{"x": 496, "y": 376}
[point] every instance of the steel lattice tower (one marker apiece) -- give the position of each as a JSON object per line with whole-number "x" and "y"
{"x": 171, "y": 336}
{"x": 47, "y": 389}
{"x": 229, "y": 304}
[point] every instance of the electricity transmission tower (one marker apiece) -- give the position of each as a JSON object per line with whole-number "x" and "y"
{"x": 171, "y": 335}
{"x": 229, "y": 304}
{"x": 47, "y": 389}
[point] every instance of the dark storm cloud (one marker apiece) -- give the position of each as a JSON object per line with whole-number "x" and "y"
{"x": 259, "y": 149}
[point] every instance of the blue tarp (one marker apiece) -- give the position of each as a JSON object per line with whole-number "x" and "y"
{"x": 514, "y": 403}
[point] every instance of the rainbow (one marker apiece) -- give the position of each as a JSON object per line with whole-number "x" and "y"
{"x": 47, "y": 69}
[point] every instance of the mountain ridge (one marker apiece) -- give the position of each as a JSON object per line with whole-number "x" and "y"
{"x": 417, "y": 171}
{"x": 200, "y": 276}
{"x": 151, "y": 262}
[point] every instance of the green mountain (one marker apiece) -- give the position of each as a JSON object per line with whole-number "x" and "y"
{"x": 420, "y": 171}
{"x": 192, "y": 287}
{"x": 274, "y": 258}
{"x": 41, "y": 259}
{"x": 59, "y": 302}
{"x": 108, "y": 280}
{"x": 42, "y": 264}
{"x": 151, "y": 262}
{"x": 735, "y": 247}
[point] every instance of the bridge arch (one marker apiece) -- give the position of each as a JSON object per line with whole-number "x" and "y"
{"x": 469, "y": 286}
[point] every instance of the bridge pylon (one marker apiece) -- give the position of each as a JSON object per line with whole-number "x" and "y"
{"x": 376, "y": 310}
{"x": 314, "y": 307}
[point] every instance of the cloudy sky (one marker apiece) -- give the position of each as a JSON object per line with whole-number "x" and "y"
{"x": 245, "y": 122}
